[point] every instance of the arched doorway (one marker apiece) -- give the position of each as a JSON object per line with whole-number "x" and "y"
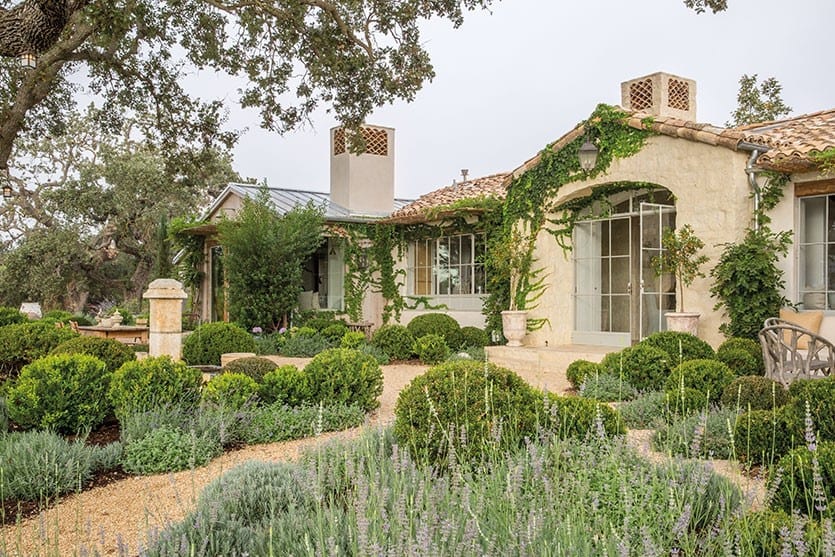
{"x": 618, "y": 298}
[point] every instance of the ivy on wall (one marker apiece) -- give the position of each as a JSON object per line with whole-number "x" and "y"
{"x": 513, "y": 279}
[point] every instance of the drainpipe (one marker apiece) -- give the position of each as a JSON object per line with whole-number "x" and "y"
{"x": 750, "y": 170}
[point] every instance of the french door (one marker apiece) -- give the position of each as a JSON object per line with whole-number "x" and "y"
{"x": 618, "y": 299}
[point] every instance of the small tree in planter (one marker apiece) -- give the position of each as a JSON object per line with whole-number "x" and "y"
{"x": 681, "y": 257}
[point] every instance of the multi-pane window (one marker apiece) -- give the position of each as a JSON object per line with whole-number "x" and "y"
{"x": 817, "y": 252}
{"x": 448, "y": 266}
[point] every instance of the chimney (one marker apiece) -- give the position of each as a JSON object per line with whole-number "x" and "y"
{"x": 364, "y": 183}
{"x": 662, "y": 95}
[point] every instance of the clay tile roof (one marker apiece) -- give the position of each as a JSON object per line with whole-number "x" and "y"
{"x": 789, "y": 142}
{"x": 792, "y": 141}
{"x": 420, "y": 209}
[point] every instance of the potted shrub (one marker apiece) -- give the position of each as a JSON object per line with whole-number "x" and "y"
{"x": 510, "y": 256}
{"x": 681, "y": 258}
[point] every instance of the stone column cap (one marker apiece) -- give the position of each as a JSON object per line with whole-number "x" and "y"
{"x": 165, "y": 289}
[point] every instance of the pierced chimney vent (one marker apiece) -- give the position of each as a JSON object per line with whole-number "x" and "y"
{"x": 376, "y": 141}
{"x": 661, "y": 95}
{"x": 640, "y": 94}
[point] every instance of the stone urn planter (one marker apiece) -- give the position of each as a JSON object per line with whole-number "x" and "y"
{"x": 514, "y": 326}
{"x": 116, "y": 319}
{"x": 683, "y": 322}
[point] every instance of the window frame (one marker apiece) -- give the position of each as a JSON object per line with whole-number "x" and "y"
{"x": 446, "y": 264}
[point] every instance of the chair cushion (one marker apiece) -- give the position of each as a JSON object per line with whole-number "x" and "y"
{"x": 809, "y": 320}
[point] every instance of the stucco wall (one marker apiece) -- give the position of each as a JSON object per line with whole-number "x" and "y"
{"x": 712, "y": 195}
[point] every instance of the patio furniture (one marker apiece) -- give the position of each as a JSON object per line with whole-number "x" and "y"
{"x": 791, "y": 352}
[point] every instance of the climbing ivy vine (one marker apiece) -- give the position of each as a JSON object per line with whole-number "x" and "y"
{"x": 513, "y": 279}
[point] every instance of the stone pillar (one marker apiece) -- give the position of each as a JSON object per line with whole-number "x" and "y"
{"x": 166, "y": 319}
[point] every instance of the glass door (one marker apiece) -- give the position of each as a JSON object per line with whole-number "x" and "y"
{"x": 657, "y": 293}
{"x": 603, "y": 282}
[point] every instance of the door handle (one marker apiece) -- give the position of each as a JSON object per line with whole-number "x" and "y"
{"x": 629, "y": 288}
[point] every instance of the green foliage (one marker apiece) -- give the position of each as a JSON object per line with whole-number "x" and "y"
{"x": 318, "y": 323}
{"x": 740, "y": 361}
{"x": 279, "y": 422}
{"x": 354, "y": 340}
{"x": 763, "y": 436}
{"x": 264, "y": 255}
{"x": 758, "y": 102}
{"x": 680, "y": 257}
{"x": 287, "y": 386}
{"x": 474, "y": 337}
{"x": 24, "y": 343}
{"x": 727, "y": 351}
{"x": 167, "y": 449}
{"x": 489, "y": 406}
{"x": 395, "y": 340}
{"x": 699, "y": 435}
{"x": 304, "y": 346}
{"x": 112, "y": 352}
{"x": 807, "y": 481}
{"x": 680, "y": 347}
{"x": 647, "y": 411}
{"x": 755, "y": 393}
{"x": 685, "y": 401}
{"x": 376, "y": 353}
{"x": 706, "y": 376}
{"x": 607, "y": 387}
{"x": 66, "y": 392}
{"x": 578, "y": 370}
{"x": 232, "y": 390}
{"x": 575, "y": 417}
{"x": 254, "y": 367}
{"x": 210, "y": 423}
{"x": 437, "y": 324}
{"x": 643, "y": 366}
{"x": 10, "y": 316}
{"x": 769, "y": 532}
{"x": 234, "y": 511}
{"x": 335, "y": 332}
{"x": 824, "y": 159}
{"x": 144, "y": 384}
{"x": 748, "y": 282}
{"x": 431, "y": 349}
{"x": 208, "y": 342}
{"x": 37, "y": 465}
{"x": 820, "y": 394}
{"x": 342, "y": 376}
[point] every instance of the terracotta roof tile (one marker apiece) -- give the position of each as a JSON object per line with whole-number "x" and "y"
{"x": 418, "y": 210}
{"x": 790, "y": 142}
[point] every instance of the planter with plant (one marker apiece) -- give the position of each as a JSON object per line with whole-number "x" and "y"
{"x": 513, "y": 256}
{"x": 680, "y": 256}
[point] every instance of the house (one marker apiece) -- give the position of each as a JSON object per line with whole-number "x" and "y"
{"x": 671, "y": 171}
{"x": 361, "y": 191}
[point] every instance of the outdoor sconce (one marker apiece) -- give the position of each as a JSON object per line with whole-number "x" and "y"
{"x": 28, "y": 60}
{"x": 587, "y": 155}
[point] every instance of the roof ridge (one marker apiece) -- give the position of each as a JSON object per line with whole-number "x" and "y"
{"x": 768, "y": 123}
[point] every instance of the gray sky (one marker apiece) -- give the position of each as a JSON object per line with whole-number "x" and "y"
{"x": 509, "y": 82}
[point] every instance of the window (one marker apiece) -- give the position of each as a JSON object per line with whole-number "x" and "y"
{"x": 817, "y": 252}
{"x": 448, "y": 266}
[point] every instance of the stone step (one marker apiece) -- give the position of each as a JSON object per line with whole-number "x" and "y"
{"x": 544, "y": 368}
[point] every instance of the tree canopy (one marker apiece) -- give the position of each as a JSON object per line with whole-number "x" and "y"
{"x": 758, "y": 102}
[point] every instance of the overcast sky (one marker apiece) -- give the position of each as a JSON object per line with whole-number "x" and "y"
{"x": 510, "y": 81}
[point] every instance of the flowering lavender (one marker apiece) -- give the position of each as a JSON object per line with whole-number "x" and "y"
{"x": 257, "y": 330}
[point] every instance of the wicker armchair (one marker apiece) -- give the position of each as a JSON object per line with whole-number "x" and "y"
{"x": 791, "y": 352}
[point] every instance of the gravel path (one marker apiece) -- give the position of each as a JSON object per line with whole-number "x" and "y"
{"x": 124, "y": 511}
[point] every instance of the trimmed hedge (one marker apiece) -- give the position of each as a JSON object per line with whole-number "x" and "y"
{"x": 11, "y": 316}
{"x": 578, "y": 370}
{"x": 209, "y": 341}
{"x": 437, "y": 324}
{"x": 431, "y": 349}
{"x": 680, "y": 347}
{"x": 67, "y": 392}
{"x": 474, "y": 337}
{"x": 752, "y": 347}
{"x": 152, "y": 382}
{"x": 23, "y": 343}
{"x": 753, "y": 392}
{"x": 395, "y": 340}
{"x": 254, "y": 367}
{"x": 707, "y": 376}
{"x": 343, "y": 376}
{"x": 112, "y": 352}
{"x": 447, "y": 403}
{"x": 230, "y": 390}
{"x": 645, "y": 367}
{"x": 763, "y": 436}
{"x": 796, "y": 490}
